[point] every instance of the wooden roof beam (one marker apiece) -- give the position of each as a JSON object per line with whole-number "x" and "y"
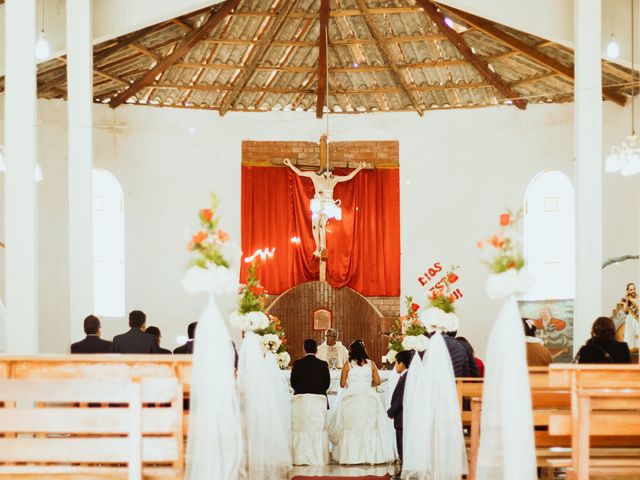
{"x": 182, "y": 49}
{"x": 386, "y": 54}
{"x": 256, "y": 56}
{"x": 322, "y": 58}
{"x": 491, "y": 30}
{"x": 480, "y": 65}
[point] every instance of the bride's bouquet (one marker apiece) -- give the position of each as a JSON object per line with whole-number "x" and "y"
{"x": 251, "y": 317}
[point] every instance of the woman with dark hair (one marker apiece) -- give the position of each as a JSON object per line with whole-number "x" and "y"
{"x": 537, "y": 354}
{"x": 359, "y": 428}
{"x": 602, "y": 347}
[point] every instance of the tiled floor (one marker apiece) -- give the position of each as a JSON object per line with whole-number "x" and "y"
{"x": 344, "y": 470}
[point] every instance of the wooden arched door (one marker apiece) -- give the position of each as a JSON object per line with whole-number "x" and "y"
{"x": 352, "y": 314}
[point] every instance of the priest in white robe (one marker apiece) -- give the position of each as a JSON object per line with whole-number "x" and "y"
{"x": 332, "y": 351}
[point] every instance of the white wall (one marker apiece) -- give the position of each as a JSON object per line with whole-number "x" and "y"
{"x": 459, "y": 170}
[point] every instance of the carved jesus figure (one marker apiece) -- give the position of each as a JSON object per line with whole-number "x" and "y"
{"x": 323, "y": 206}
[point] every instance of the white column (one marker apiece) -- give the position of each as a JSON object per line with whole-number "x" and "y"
{"x": 21, "y": 208}
{"x": 588, "y": 168}
{"x": 80, "y": 104}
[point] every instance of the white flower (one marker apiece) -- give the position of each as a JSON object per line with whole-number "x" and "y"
{"x": 257, "y": 320}
{"x": 270, "y": 342}
{"x": 249, "y": 321}
{"x": 391, "y": 356}
{"x": 283, "y": 359}
{"x": 452, "y": 322}
{"x": 437, "y": 320}
{"x": 241, "y": 322}
{"x": 415, "y": 342}
{"x": 511, "y": 282}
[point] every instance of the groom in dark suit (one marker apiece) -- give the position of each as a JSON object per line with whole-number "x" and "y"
{"x": 135, "y": 340}
{"x": 310, "y": 374}
{"x": 396, "y": 410}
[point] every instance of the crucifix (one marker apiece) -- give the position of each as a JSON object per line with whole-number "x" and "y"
{"x": 323, "y": 205}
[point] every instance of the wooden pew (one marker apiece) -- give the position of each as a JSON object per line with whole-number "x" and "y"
{"x": 47, "y": 435}
{"x": 604, "y": 424}
{"x": 102, "y": 366}
{"x": 546, "y": 400}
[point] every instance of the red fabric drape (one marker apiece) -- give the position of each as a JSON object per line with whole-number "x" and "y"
{"x": 363, "y": 248}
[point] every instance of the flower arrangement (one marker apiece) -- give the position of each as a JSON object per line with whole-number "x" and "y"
{"x": 250, "y": 316}
{"x": 209, "y": 240}
{"x": 214, "y": 271}
{"x": 502, "y": 253}
{"x": 407, "y": 332}
{"x": 441, "y": 316}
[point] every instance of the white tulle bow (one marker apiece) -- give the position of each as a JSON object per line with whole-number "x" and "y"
{"x": 512, "y": 282}
{"x": 214, "y": 280}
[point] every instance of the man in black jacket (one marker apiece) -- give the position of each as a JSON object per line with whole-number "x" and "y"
{"x": 310, "y": 374}
{"x": 396, "y": 409}
{"x": 92, "y": 343}
{"x": 135, "y": 340}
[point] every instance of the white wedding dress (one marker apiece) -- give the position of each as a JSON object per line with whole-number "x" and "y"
{"x": 359, "y": 428}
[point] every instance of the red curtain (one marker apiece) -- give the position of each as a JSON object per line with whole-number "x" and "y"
{"x": 363, "y": 247}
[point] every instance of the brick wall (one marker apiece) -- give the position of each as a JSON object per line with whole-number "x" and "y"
{"x": 341, "y": 154}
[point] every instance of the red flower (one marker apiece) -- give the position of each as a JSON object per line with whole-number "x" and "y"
{"x": 505, "y": 219}
{"x": 453, "y": 278}
{"x": 415, "y": 307}
{"x": 199, "y": 237}
{"x": 207, "y": 214}
{"x": 223, "y": 236}
{"x": 496, "y": 241}
{"x": 256, "y": 289}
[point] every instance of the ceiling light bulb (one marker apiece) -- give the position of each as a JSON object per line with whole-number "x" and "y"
{"x": 42, "y": 47}
{"x": 613, "y": 50}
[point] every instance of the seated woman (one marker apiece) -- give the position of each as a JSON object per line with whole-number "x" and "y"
{"x": 537, "y": 354}
{"x": 602, "y": 347}
{"x": 359, "y": 429}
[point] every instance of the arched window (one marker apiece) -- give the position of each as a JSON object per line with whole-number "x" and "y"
{"x": 549, "y": 236}
{"x": 108, "y": 245}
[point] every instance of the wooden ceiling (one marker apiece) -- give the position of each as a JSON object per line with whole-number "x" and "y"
{"x": 337, "y": 56}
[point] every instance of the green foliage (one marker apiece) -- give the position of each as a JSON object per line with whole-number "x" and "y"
{"x": 443, "y": 302}
{"x": 252, "y": 297}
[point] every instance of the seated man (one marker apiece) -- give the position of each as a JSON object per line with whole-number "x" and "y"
{"x": 310, "y": 374}
{"x": 188, "y": 346}
{"x": 135, "y": 340}
{"x": 332, "y": 351}
{"x": 92, "y": 343}
{"x": 155, "y": 331}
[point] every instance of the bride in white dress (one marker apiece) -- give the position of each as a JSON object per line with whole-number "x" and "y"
{"x": 359, "y": 427}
